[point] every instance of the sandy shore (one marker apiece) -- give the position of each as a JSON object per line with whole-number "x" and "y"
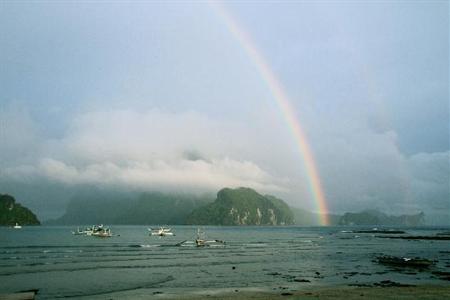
{"x": 337, "y": 292}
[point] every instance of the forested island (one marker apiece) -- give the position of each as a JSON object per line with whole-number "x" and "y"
{"x": 375, "y": 217}
{"x": 242, "y": 206}
{"x": 12, "y": 213}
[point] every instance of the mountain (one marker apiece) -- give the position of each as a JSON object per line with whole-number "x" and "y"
{"x": 375, "y": 217}
{"x": 242, "y": 206}
{"x": 129, "y": 209}
{"x": 12, "y": 213}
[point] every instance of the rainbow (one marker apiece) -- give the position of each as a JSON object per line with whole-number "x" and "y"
{"x": 283, "y": 103}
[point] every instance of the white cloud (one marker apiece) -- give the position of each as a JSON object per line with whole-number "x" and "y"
{"x": 188, "y": 151}
{"x": 150, "y": 150}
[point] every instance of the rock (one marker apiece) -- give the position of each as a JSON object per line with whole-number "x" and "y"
{"x": 301, "y": 280}
{"x": 274, "y": 273}
{"x": 388, "y": 283}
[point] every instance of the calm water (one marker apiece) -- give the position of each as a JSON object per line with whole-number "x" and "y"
{"x": 133, "y": 264}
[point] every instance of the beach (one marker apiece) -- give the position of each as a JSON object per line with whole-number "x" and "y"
{"x": 337, "y": 292}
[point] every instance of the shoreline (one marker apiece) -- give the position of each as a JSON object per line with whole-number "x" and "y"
{"x": 426, "y": 291}
{"x": 440, "y": 291}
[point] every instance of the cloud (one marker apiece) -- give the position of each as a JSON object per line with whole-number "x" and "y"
{"x": 184, "y": 175}
{"x": 360, "y": 167}
{"x": 430, "y": 182}
{"x": 147, "y": 151}
{"x": 18, "y": 134}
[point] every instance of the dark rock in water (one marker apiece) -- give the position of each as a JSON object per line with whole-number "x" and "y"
{"x": 444, "y": 233}
{"x": 360, "y": 284}
{"x": 301, "y": 280}
{"x": 274, "y": 273}
{"x": 317, "y": 273}
{"x": 417, "y": 237}
{"x": 233, "y": 267}
{"x": 289, "y": 277}
{"x": 157, "y": 293}
{"x": 388, "y": 283}
{"x": 443, "y": 275}
{"x": 416, "y": 262}
{"x": 286, "y": 294}
{"x": 389, "y": 231}
{"x": 440, "y": 273}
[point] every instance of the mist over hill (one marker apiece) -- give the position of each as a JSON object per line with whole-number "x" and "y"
{"x": 240, "y": 206}
{"x": 133, "y": 209}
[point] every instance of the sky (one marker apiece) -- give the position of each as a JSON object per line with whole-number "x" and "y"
{"x": 147, "y": 96}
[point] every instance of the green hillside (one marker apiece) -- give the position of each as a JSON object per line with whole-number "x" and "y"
{"x": 12, "y": 213}
{"x": 242, "y": 206}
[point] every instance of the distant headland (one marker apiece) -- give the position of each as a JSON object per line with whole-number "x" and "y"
{"x": 12, "y": 213}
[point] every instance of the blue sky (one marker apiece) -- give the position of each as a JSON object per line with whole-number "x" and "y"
{"x": 131, "y": 91}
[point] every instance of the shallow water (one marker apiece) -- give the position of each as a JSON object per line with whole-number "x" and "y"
{"x": 62, "y": 265}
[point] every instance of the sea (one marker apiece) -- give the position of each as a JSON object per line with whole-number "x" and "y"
{"x": 133, "y": 265}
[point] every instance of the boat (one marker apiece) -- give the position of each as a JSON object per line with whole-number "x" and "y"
{"x": 95, "y": 230}
{"x": 201, "y": 241}
{"x": 87, "y": 231}
{"x": 17, "y": 226}
{"x": 161, "y": 231}
{"x": 416, "y": 262}
{"x": 106, "y": 232}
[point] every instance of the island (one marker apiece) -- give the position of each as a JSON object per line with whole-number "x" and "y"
{"x": 242, "y": 206}
{"x": 375, "y": 217}
{"x": 12, "y": 213}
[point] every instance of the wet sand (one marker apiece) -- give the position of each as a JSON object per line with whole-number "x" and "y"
{"x": 337, "y": 292}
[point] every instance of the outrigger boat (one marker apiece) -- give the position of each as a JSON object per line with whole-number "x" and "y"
{"x": 95, "y": 230}
{"x": 87, "y": 231}
{"x": 201, "y": 241}
{"x": 161, "y": 231}
{"x": 103, "y": 232}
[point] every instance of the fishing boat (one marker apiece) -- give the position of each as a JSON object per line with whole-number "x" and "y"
{"x": 201, "y": 241}
{"x": 104, "y": 232}
{"x": 95, "y": 230}
{"x": 161, "y": 231}
{"x": 17, "y": 226}
{"x": 86, "y": 231}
